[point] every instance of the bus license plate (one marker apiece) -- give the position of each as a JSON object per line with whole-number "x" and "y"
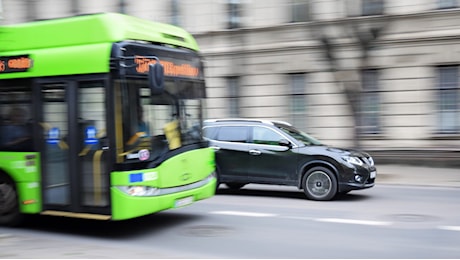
{"x": 184, "y": 202}
{"x": 373, "y": 174}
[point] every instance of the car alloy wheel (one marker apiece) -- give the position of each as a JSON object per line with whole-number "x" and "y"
{"x": 319, "y": 183}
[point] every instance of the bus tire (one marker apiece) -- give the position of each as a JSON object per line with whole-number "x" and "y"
{"x": 9, "y": 206}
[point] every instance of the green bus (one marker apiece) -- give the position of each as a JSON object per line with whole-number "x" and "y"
{"x": 101, "y": 118}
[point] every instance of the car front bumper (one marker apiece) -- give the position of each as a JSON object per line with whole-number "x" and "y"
{"x": 357, "y": 178}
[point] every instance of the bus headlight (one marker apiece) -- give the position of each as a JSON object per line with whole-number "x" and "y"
{"x": 139, "y": 190}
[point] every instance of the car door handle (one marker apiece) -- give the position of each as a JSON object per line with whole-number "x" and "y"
{"x": 254, "y": 152}
{"x": 216, "y": 148}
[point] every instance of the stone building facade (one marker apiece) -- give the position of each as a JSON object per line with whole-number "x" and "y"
{"x": 385, "y": 72}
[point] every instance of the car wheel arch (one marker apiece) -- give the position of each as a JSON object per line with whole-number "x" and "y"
{"x": 306, "y": 167}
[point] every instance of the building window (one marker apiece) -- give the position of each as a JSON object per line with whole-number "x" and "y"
{"x": 122, "y": 6}
{"x": 372, "y": 7}
{"x": 300, "y": 11}
{"x": 75, "y": 7}
{"x": 298, "y": 101}
{"x": 175, "y": 15}
{"x": 369, "y": 113}
{"x": 449, "y": 114}
{"x": 234, "y": 14}
{"x": 233, "y": 94}
{"x": 447, "y": 4}
{"x": 31, "y": 11}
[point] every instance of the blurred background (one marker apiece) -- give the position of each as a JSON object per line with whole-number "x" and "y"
{"x": 378, "y": 75}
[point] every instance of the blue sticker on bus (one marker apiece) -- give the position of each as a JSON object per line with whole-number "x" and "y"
{"x": 136, "y": 177}
{"x": 91, "y": 135}
{"x": 53, "y": 136}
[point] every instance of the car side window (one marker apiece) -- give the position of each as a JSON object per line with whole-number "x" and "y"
{"x": 210, "y": 132}
{"x": 233, "y": 134}
{"x": 263, "y": 135}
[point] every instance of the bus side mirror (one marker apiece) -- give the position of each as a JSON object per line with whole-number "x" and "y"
{"x": 156, "y": 78}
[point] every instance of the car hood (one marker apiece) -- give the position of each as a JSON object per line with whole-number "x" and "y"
{"x": 332, "y": 151}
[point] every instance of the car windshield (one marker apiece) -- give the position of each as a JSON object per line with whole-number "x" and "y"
{"x": 298, "y": 135}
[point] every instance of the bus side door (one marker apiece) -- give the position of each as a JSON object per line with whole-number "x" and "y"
{"x": 75, "y": 176}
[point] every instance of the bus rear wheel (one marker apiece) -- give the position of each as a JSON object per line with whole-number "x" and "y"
{"x": 9, "y": 207}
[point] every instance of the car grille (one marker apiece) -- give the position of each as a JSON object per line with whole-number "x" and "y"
{"x": 370, "y": 181}
{"x": 367, "y": 160}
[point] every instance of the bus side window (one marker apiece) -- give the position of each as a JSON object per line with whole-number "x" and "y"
{"x": 2, "y": 132}
{"x": 16, "y": 134}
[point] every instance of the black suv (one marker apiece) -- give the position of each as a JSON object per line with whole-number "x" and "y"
{"x": 274, "y": 152}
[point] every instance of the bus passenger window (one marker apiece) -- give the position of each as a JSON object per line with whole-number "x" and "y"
{"x": 16, "y": 132}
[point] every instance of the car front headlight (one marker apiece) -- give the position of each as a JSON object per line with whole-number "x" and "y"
{"x": 353, "y": 160}
{"x": 371, "y": 161}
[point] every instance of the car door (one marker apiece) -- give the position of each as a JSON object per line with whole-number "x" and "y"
{"x": 231, "y": 149}
{"x": 270, "y": 162}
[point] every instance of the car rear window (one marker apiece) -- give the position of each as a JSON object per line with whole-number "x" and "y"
{"x": 232, "y": 134}
{"x": 210, "y": 132}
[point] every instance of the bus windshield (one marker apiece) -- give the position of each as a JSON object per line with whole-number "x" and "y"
{"x": 160, "y": 123}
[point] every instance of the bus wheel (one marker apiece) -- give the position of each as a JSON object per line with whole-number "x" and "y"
{"x": 9, "y": 207}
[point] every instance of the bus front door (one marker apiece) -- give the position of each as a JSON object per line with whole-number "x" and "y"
{"x": 75, "y": 177}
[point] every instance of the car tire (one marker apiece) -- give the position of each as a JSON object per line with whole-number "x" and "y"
{"x": 319, "y": 183}
{"x": 9, "y": 206}
{"x": 235, "y": 185}
{"x": 217, "y": 179}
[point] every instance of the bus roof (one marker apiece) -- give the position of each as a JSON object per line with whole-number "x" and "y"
{"x": 79, "y": 44}
{"x": 90, "y": 29}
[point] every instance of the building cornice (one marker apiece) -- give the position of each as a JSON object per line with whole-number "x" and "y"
{"x": 335, "y": 22}
{"x": 308, "y": 43}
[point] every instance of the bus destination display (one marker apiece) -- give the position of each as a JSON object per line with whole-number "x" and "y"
{"x": 15, "y": 63}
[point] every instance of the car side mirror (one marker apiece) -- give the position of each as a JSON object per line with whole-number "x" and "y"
{"x": 285, "y": 142}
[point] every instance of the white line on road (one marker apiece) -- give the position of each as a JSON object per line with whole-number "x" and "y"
{"x": 451, "y": 228}
{"x": 354, "y": 221}
{"x": 299, "y": 218}
{"x": 245, "y": 214}
{"x": 330, "y": 220}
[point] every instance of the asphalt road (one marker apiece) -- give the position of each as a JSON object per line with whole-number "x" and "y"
{"x": 387, "y": 221}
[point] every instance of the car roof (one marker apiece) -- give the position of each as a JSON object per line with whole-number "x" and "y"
{"x": 246, "y": 120}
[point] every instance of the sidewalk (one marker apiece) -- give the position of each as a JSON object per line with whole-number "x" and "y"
{"x": 417, "y": 175}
